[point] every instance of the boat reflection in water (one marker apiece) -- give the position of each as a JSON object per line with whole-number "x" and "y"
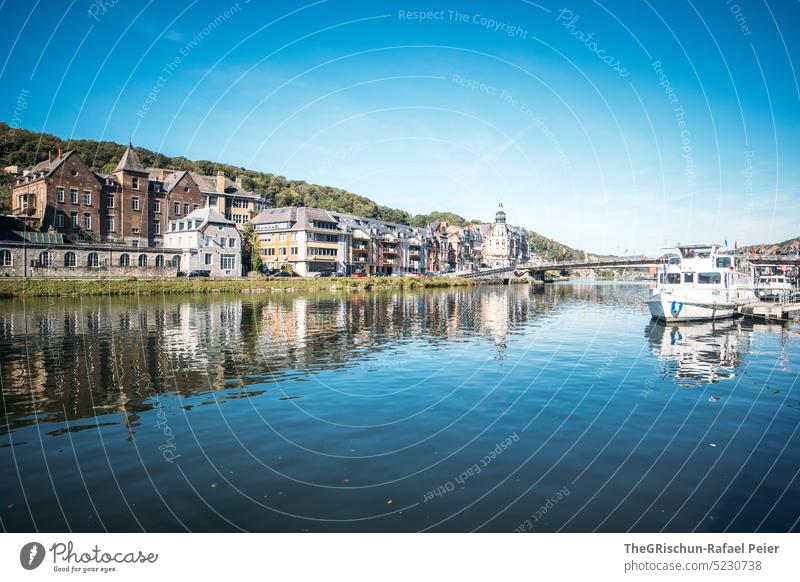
{"x": 699, "y": 353}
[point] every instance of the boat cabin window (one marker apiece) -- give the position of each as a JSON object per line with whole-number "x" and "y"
{"x": 671, "y": 278}
{"x": 674, "y": 260}
{"x": 688, "y": 277}
{"x": 709, "y": 278}
{"x": 723, "y": 262}
{"x": 696, "y": 253}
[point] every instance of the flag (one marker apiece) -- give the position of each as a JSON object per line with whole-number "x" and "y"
{"x": 726, "y": 243}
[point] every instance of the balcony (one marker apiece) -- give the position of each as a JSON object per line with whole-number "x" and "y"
{"x": 26, "y": 211}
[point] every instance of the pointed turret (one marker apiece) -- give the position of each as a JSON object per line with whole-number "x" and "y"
{"x": 129, "y": 162}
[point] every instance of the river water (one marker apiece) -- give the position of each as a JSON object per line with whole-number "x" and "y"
{"x": 561, "y": 408}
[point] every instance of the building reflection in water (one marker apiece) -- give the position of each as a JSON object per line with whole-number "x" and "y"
{"x": 68, "y": 360}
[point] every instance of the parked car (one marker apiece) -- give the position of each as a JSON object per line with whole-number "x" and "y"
{"x": 285, "y": 274}
{"x": 359, "y": 274}
{"x": 324, "y": 274}
{"x": 198, "y": 273}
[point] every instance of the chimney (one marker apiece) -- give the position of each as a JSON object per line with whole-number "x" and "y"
{"x": 220, "y": 181}
{"x": 239, "y": 182}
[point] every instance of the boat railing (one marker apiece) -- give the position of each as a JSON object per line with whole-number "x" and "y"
{"x": 777, "y": 296}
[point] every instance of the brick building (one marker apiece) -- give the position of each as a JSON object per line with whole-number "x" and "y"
{"x": 132, "y": 205}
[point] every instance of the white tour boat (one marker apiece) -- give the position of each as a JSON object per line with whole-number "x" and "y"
{"x": 773, "y": 287}
{"x": 701, "y": 283}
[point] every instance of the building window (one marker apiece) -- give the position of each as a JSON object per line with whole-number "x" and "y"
{"x": 110, "y": 223}
{"x": 195, "y": 206}
{"x": 70, "y": 260}
{"x": 231, "y": 242}
{"x": 212, "y": 200}
{"x": 206, "y": 241}
{"x": 73, "y": 195}
{"x": 281, "y": 250}
{"x": 282, "y": 237}
{"x": 135, "y": 229}
{"x": 93, "y": 260}
{"x": 73, "y": 216}
{"x": 240, "y": 218}
{"x": 87, "y": 221}
{"x": 87, "y": 198}
{"x": 156, "y": 205}
{"x": 46, "y": 259}
{"x": 60, "y": 193}
{"x": 177, "y": 208}
{"x": 186, "y": 208}
{"x": 135, "y": 202}
{"x": 124, "y": 260}
{"x": 6, "y": 259}
{"x": 110, "y": 201}
{"x": 227, "y": 262}
{"x": 176, "y": 261}
{"x": 159, "y": 260}
{"x": 208, "y": 258}
{"x": 293, "y": 250}
{"x": 269, "y": 252}
{"x": 156, "y": 227}
{"x": 142, "y": 260}
{"x": 135, "y": 183}
{"x": 135, "y": 243}
{"x": 59, "y": 219}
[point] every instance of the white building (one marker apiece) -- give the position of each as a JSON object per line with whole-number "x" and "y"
{"x": 504, "y": 245}
{"x": 209, "y": 241}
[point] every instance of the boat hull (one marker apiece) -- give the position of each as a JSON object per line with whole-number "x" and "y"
{"x": 667, "y": 307}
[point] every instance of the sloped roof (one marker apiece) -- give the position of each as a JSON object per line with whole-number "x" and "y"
{"x": 129, "y": 162}
{"x": 208, "y": 185}
{"x": 49, "y": 166}
{"x": 32, "y": 236}
{"x": 207, "y": 214}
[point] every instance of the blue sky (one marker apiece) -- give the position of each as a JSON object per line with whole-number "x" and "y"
{"x": 608, "y": 126}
